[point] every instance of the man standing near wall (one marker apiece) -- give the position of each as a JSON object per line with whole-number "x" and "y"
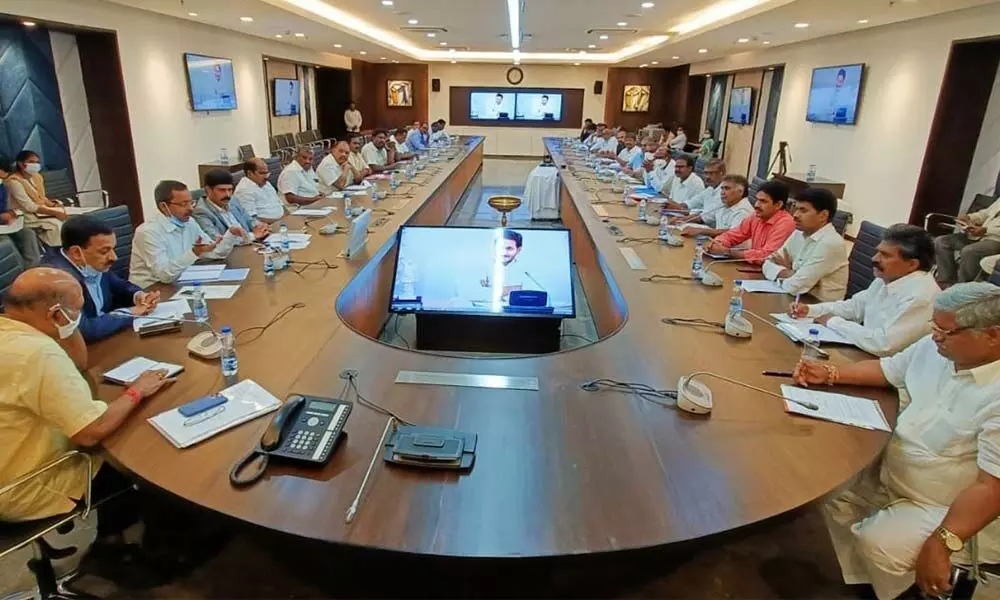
{"x": 353, "y": 118}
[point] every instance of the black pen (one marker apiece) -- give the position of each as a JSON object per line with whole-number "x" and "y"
{"x": 777, "y": 374}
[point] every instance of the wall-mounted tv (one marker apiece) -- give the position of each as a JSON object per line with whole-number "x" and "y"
{"x": 492, "y": 106}
{"x": 210, "y": 82}
{"x": 286, "y": 97}
{"x": 741, "y": 106}
{"x": 483, "y": 271}
{"x": 538, "y": 107}
{"x": 834, "y": 94}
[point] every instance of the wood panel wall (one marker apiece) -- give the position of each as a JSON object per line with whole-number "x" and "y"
{"x": 276, "y": 69}
{"x": 369, "y": 88}
{"x": 668, "y": 97}
{"x": 739, "y": 140}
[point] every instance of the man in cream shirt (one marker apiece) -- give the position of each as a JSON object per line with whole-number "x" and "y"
{"x": 896, "y": 309}
{"x": 256, "y": 195}
{"x": 359, "y": 165}
{"x": 334, "y": 172}
{"x": 706, "y": 202}
{"x": 297, "y": 182}
{"x": 686, "y": 184}
{"x": 978, "y": 238}
{"x": 658, "y": 172}
{"x": 813, "y": 260}
{"x": 376, "y": 154}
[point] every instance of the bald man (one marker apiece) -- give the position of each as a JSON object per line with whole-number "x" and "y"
{"x": 255, "y": 194}
{"x": 335, "y": 172}
{"x": 46, "y": 409}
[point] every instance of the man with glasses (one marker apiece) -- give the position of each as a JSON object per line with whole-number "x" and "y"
{"x": 256, "y": 195}
{"x": 172, "y": 241}
{"x": 938, "y": 484}
{"x": 734, "y": 208}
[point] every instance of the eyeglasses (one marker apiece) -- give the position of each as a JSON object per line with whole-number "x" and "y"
{"x": 945, "y": 333}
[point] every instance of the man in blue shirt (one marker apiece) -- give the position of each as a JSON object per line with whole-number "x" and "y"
{"x": 87, "y": 253}
{"x": 417, "y": 139}
{"x": 13, "y": 227}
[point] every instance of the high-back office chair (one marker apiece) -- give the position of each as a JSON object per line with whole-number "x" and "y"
{"x": 61, "y": 187}
{"x": 840, "y": 221}
{"x": 860, "y": 261}
{"x": 995, "y": 276}
{"x": 197, "y": 195}
{"x": 274, "y": 169}
{"x": 699, "y": 166}
{"x": 246, "y": 152}
{"x": 118, "y": 218}
{"x": 11, "y": 265}
{"x": 755, "y": 183}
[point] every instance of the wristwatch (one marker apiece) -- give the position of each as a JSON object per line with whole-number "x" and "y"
{"x": 951, "y": 541}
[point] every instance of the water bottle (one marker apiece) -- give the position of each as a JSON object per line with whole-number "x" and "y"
{"x": 664, "y": 232}
{"x": 224, "y": 156}
{"x": 393, "y": 181}
{"x": 230, "y": 364}
{"x": 811, "y": 173}
{"x": 347, "y": 206}
{"x": 810, "y": 346}
{"x": 698, "y": 264}
{"x": 286, "y": 244}
{"x": 736, "y": 301}
{"x": 642, "y": 209}
{"x": 268, "y": 264}
{"x": 198, "y": 304}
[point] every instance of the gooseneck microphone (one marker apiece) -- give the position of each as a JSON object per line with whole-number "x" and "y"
{"x": 695, "y": 397}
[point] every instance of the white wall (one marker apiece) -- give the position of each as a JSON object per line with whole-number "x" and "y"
{"x": 880, "y": 158}
{"x": 76, "y": 115}
{"x": 515, "y": 141}
{"x": 169, "y": 139}
{"x": 986, "y": 161}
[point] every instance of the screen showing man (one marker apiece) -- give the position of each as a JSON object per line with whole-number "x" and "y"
{"x": 491, "y": 106}
{"x": 286, "y": 97}
{"x": 741, "y": 105}
{"x": 833, "y": 97}
{"x": 211, "y": 81}
{"x": 539, "y": 107}
{"x": 431, "y": 276}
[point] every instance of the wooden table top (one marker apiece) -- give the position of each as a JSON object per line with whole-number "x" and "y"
{"x": 559, "y": 471}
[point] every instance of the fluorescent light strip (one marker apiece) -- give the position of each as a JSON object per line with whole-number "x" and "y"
{"x": 514, "y": 16}
{"x": 717, "y": 12}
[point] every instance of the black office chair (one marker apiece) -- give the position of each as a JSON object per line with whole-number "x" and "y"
{"x": 840, "y": 221}
{"x": 860, "y": 260}
{"x": 327, "y": 142}
{"x": 118, "y": 218}
{"x": 11, "y": 265}
{"x": 237, "y": 177}
{"x": 938, "y": 223}
{"x": 755, "y": 183}
{"x": 246, "y": 152}
{"x": 699, "y": 166}
{"x": 274, "y": 169}
{"x": 60, "y": 186}
{"x": 995, "y": 276}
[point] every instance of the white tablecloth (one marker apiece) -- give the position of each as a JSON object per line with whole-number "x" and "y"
{"x": 541, "y": 192}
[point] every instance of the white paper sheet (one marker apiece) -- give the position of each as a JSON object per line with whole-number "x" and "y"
{"x": 785, "y": 318}
{"x": 762, "y": 286}
{"x": 201, "y": 273}
{"x": 313, "y": 212}
{"x": 234, "y": 275}
{"x": 838, "y": 408}
{"x": 212, "y": 292}
{"x": 168, "y": 309}
{"x": 800, "y": 331}
{"x": 128, "y": 371}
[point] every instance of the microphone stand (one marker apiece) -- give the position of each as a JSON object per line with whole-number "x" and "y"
{"x": 204, "y": 324}
{"x": 682, "y": 388}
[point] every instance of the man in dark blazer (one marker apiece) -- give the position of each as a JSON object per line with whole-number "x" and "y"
{"x": 87, "y": 253}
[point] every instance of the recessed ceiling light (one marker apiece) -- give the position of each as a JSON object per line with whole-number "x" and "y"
{"x": 654, "y": 62}
{"x": 648, "y": 4}
{"x": 413, "y": 21}
{"x": 622, "y": 23}
{"x": 442, "y": 43}
{"x": 338, "y": 45}
{"x": 432, "y": 34}
{"x": 591, "y": 45}
{"x": 278, "y": 35}
{"x": 582, "y": 52}
{"x": 770, "y": 68}
{"x": 246, "y": 19}
{"x": 643, "y": 66}
{"x": 604, "y": 37}
{"x": 862, "y": 21}
{"x": 702, "y": 50}
{"x": 362, "y": 53}
{"x": 454, "y": 61}
{"x": 742, "y": 40}
{"x": 801, "y": 25}
{"x": 766, "y": 42}
{"x": 576, "y": 64}
{"x": 451, "y": 50}
{"x": 383, "y": 58}
{"x": 300, "y": 35}
{"x": 386, "y": 2}
{"x": 192, "y": 14}
{"x": 266, "y": 58}
{"x": 675, "y": 58}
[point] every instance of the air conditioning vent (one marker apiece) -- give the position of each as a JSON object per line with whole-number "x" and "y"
{"x": 613, "y": 31}
{"x": 424, "y": 30}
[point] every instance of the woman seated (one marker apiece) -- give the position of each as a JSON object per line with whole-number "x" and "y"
{"x": 707, "y": 145}
{"x": 26, "y": 191}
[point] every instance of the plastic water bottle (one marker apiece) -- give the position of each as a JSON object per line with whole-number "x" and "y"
{"x": 347, "y": 206}
{"x": 698, "y": 264}
{"x": 642, "y": 209}
{"x": 230, "y": 364}
{"x": 286, "y": 244}
{"x": 736, "y": 301}
{"x": 810, "y": 346}
{"x": 664, "y": 232}
{"x": 198, "y": 304}
{"x": 393, "y": 181}
{"x": 811, "y": 173}
{"x": 268, "y": 264}
{"x": 224, "y": 156}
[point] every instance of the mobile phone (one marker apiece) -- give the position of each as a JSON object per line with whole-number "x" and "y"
{"x": 200, "y": 405}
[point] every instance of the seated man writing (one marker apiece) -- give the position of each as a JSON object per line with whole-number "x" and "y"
{"x": 978, "y": 238}
{"x": 813, "y": 260}
{"x": 172, "y": 241}
{"x": 297, "y": 182}
{"x": 217, "y": 214}
{"x": 766, "y": 230}
{"x": 734, "y": 210}
{"x": 335, "y": 171}
{"x": 376, "y": 154}
{"x": 88, "y": 253}
{"x": 938, "y": 483}
{"x": 896, "y": 308}
{"x": 256, "y": 195}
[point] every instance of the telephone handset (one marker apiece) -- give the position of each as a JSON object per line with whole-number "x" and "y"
{"x": 305, "y": 428}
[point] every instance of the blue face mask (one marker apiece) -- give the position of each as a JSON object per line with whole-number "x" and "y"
{"x": 90, "y": 273}
{"x": 178, "y": 222}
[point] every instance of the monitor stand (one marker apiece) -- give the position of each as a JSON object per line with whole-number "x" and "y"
{"x": 483, "y": 333}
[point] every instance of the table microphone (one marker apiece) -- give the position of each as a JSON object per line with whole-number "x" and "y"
{"x": 207, "y": 344}
{"x": 711, "y": 279}
{"x": 696, "y": 398}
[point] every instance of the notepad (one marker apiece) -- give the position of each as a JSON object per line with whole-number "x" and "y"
{"x": 129, "y": 371}
{"x": 169, "y": 309}
{"x": 762, "y": 286}
{"x": 314, "y": 212}
{"x": 245, "y": 401}
{"x": 838, "y": 408}
{"x": 212, "y": 292}
{"x": 201, "y": 273}
{"x": 800, "y": 331}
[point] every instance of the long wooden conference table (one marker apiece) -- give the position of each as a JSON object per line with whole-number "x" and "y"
{"x": 559, "y": 471}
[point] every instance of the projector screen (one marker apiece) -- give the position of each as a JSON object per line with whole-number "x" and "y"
{"x": 741, "y": 106}
{"x": 834, "y": 95}
{"x": 491, "y": 106}
{"x": 286, "y": 97}
{"x": 473, "y": 270}
{"x": 538, "y": 107}
{"x": 210, "y": 82}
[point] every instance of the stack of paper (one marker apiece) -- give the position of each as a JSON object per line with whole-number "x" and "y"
{"x": 212, "y": 292}
{"x": 800, "y": 331}
{"x": 297, "y": 241}
{"x": 762, "y": 286}
{"x": 129, "y": 371}
{"x": 839, "y": 408}
{"x": 313, "y": 212}
{"x": 170, "y": 309}
{"x": 201, "y": 273}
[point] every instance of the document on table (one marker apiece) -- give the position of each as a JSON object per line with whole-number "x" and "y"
{"x": 334, "y": 196}
{"x": 786, "y": 318}
{"x": 222, "y": 275}
{"x": 313, "y": 212}
{"x": 234, "y": 275}
{"x": 800, "y": 331}
{"x": 129, "y": 371}
{"x": 244, "y": 401}
{"x": 169, "y": 309}
{"x": 212, "y": 292}
{"x": 201, "y": 273}
{"x": 762, "y": 286}
{"x": 838, "y": 408}
{"x": 296, "y": 240}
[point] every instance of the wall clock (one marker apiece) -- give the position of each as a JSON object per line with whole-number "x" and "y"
{"x": 515, "y": 75}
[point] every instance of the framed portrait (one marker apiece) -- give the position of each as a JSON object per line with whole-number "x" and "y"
{"x": 636, "y": 99}
{"x": 400, "y": 93}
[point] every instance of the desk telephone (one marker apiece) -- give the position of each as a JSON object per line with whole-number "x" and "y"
{"x": 305, "y": 428}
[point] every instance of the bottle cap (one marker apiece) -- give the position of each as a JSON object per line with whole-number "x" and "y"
{"x": 197, "y": 284}
{"x": 226, "y": 329}
{"x": 813, "y": 331}
{"x": 738, "y": 282}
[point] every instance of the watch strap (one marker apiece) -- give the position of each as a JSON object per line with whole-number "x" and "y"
{"x": 951, "y": 541}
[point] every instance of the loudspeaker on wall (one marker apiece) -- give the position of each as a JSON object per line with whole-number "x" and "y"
{"x": 435, "y": 85}
{"x": 598, "y": 87}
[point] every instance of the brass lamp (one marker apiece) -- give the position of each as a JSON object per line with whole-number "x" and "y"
{"x": 503, "y": 205}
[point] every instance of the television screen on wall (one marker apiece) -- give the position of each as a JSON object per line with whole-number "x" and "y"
{"x": 210, "y": 82}
{"x": 491, "y": 106}
{"x": 286, "y": 97}
{"x": 741, "y": 106}
{"x": 538, "y": 107}
{"x": 834, "y": 94}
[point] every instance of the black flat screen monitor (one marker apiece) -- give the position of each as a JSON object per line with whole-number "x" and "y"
{"x": 210, "y": 82}
{"x": 834, "y": 94}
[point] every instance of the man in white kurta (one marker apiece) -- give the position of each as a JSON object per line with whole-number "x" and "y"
{"x": 686, "y": 184}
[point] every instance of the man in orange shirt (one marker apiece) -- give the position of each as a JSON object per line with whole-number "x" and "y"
{"x": 767, "y": 230}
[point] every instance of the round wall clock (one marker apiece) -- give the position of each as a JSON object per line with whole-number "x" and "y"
{"x": 515, "y": 75}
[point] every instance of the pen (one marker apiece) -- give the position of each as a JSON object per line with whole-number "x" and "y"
{"x": 777, "y": 374}
{"x": 797, "y": 298}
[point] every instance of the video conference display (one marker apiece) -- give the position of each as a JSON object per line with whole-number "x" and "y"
{"x": 834, "y": 94}
{"x": 286, "y": 97}
{"x": 484, "y": 271}
{"x": 210, "y": 82}
{"x": 741, "y": 106}
{"x": 515, "y": 106}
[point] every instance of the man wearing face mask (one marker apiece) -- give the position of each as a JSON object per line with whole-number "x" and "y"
{"x": 172, "y": 241}
{"x": 46, "y": 408}
{"x": 87, "y": 253}
{"x": 217, "y": 214}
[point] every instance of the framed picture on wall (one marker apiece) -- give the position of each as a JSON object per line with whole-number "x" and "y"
{"x": 635, "y": 99}
{"x": 400, "y": 93}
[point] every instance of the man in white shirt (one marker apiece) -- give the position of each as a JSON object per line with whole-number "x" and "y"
{"x": 493, "y": 110}
{"x": 938, "y": 484}
{"x": 399, "y": 147}
{"x": 438, "y": 134}
{"x": 813, "y": 260}
{"x": 359, "y": 166}
{"x": 334, "y": 171}
{"x": 704, "y": 204}
{"x": 352, "y": 118}
{"x": 979, "y": 237}
{"x": 631, "y": 150}
{"x": 733, "y": 209}
{"x": 679, "y": 140}
{"x": 895, "y": 310}
{"x": 375, "y": 153}
{"x": 686, "y": 184}
{"x": 297, "y": 182}
{"x": 607, "y": 144}
{"x": 172, "y": 241}
{"x": 514, "y": 277}
{"x": 256, "y": 194}
{"x": 647, "y": 153}
{"x": 659, "y": 173}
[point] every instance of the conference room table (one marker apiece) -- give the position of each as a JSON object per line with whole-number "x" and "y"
{"x": 559, "y": 471}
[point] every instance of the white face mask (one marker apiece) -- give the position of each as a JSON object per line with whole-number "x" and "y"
{"x": 650, "y": 156}
{"x": 33, "y": 168}
{"x": 68, "y": 329}
{"x": 659, "y": 163}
